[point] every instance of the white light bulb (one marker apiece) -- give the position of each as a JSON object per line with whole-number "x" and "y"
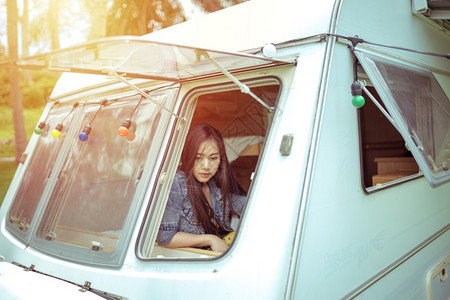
{"x": 269, "y": 50}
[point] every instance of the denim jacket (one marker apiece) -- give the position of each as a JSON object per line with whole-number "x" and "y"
{"x": 179, "y": 214}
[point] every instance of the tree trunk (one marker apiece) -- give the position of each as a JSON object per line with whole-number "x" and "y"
{"x": 20, "y": 136}
{"x": 25, "y": 29}
{"x": 25, "y": 37}
{"x": 53, "y": 13}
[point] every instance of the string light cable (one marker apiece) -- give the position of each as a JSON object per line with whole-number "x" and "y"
{"x": 358, "y": 86}
{"x": 128, "y": 128}
{"x": 357, "y": 40}
{"x": 57, "y": 131}
{"x": 43, "y": 126}
{"x": 84, "y": 135}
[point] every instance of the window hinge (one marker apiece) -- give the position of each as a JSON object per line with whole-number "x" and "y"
{"x": 23, "y": 158}
{"x": 162, "y": 178}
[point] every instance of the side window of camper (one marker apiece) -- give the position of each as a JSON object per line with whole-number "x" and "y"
{"x": 83, "y": 187}
{"x": 243, "y": 123}
{"x": 405, "y": 129}
{"x": 95, "y": 187}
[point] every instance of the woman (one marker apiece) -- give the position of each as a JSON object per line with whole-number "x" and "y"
{"x": 204, "y": 195}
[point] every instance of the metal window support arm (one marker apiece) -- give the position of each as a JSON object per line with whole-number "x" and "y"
{"x": 244, "y": 88}
{"x": 112, "y": 73}
{"x": 380, "y": 107}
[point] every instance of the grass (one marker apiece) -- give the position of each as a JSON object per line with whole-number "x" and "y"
{"x": 7, "y": 168}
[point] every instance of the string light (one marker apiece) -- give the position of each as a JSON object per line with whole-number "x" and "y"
{"x": 358, "y": 100}
{"x": 84, "y": 135}
{"x": 128, "y": 128}
{"x": 132, "y": 132}
{"x": 124, "y": 129}
{"x": 39, "y": 128}
{"x": 57, "y": 131}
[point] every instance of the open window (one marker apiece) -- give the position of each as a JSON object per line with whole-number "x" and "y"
{"x": 243, "y": 123}
{"x": 420, "y": 110}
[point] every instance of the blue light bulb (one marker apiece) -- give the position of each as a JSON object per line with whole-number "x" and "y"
{"x": 84, "y": 135}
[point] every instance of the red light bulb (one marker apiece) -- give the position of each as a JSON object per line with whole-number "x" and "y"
{"x": 123, "y": 130}
{"x": 131, "y": 136}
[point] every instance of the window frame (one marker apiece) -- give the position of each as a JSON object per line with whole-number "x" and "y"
{"x": 155, "y": 210}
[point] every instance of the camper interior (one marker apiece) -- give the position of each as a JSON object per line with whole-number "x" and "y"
{"x": 385, "y": 156}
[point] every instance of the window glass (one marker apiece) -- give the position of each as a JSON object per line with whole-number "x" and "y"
{"x": 420, "y": 109}
{"x": 39, "y": 169}
{"x": 142, "y": 59}
{"x": 97, "y": 183}
{"x": 243, "y": 124}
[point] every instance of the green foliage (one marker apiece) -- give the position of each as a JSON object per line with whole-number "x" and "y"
{"x": 5, "y": 88}
{"x": 136, "y": 17}
{"x": 7, "y": 169}
{"x": 210, "y": 6}
{"x": 6, "y": 124}
{"x": 31, "y": 117}
{"x": 7, "y": 148}
{"x": 36, "y": 87}
{"x": 36, "y": 92}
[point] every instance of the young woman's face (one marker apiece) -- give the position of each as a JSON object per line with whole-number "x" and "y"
{"x": 207, "y": 161}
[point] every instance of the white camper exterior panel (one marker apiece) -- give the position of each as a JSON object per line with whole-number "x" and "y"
{"x": 350, "y": 236}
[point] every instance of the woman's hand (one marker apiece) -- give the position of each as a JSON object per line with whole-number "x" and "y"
{"x": 215, "y": 242}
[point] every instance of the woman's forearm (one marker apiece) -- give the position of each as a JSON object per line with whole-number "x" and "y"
{"x": 184, "y": 239}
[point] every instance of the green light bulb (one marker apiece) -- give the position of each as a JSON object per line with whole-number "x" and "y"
{"x": 358, "y": 101}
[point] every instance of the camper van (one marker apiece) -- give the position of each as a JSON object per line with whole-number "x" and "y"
{"x": 335, "y": 118}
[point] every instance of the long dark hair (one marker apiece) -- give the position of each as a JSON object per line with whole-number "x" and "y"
{"x": 223, "y": 178}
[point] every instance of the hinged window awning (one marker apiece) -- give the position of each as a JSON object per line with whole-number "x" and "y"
{"x": 140, "y": 58}
{"x": 419, "y": 107}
